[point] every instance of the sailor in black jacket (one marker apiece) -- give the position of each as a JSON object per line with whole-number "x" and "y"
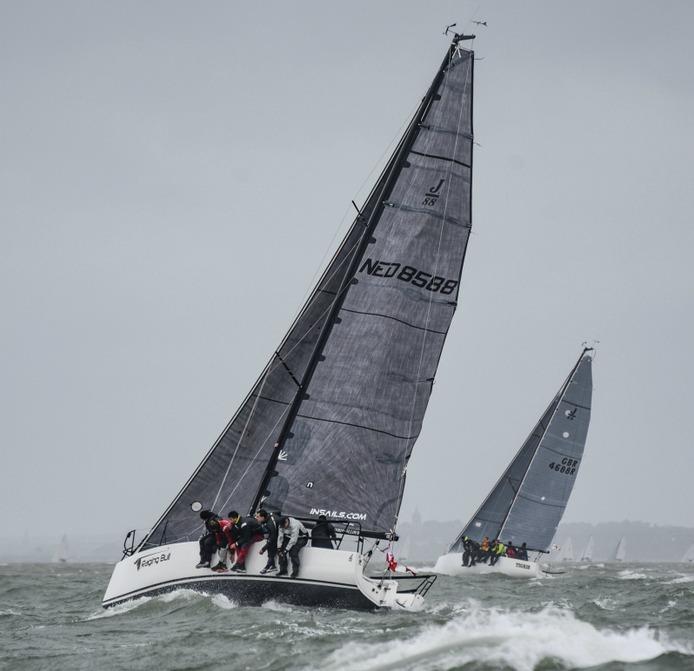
{"x": 268, "y": 524}
{"x": 323, "y": 534}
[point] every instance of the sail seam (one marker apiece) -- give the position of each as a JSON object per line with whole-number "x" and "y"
{"x": 448, "y": 131}
{"x": 539, "y": 503}
{"x": 440, "y": 158}
{"x": 402, "y": 321}
{"x": 359, "y": 426}
{"x": 553, "y": 451}
{"x": 578, "y": 405}
{"x": 421, "y": 210}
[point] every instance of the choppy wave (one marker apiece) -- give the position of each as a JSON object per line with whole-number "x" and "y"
{"x": 508, "y": 639}
{"x": 632, "y": 618}
{"x": 628, "y": 574}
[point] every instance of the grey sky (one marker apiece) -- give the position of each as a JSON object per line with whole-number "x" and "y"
{"x": 172, "y": 175}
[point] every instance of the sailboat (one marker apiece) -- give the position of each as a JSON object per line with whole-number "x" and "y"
{"x": 587, "y": 554}
{"x": 330, "y": 424}
{"x": 528, "y": 501}
{"x": 689, "y": 555}
{"x": 567, "y": 550}
{"x": 620, "y": 552}
{"x": 61, "y": 554}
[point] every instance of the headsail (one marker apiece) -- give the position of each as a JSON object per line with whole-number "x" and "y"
{"x": 330, "y": 424}
{"x": 528, "y": 501}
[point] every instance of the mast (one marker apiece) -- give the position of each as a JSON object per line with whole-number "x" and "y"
{"x": 374, "y": 207}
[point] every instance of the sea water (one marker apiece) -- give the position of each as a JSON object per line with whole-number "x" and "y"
{"x": 610, "y": 617}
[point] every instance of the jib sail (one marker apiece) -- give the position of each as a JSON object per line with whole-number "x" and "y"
{"x": 330, "y": 424}
{"x": 528, "y": 501}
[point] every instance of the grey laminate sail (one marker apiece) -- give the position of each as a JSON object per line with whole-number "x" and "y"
{"x": 330, "y": 424}
{"x": 528, "y": 501}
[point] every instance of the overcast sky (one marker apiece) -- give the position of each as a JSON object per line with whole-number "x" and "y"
{"x": 173, "y": 174}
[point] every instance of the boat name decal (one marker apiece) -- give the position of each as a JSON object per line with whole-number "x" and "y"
{"x": 151, "y": 559}
{"x": 567, "y": 466}
{"x": 417, "y": 278}
{"x": 341, "y": 515}
{"x": 525, "y": 566}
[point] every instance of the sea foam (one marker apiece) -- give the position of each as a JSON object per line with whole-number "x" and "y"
{"x": 519, "y": 641}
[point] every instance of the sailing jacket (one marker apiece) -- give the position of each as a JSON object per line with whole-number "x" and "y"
{"x": 248, "y": 528}
{"x": 271, "y": 529}
{"x": 323, "y": 535}
{"x": 292, "y": 531}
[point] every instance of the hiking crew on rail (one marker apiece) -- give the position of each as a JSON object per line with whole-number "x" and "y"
{"x": 284, "y": 538}
{"x": 486, "y": 552}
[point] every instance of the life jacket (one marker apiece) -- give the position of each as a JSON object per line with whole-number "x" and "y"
{"x": 500, "y": 548}
{"x": 485, "y": 545}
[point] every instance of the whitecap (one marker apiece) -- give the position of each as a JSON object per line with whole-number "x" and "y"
{"x": 223, "y": 602}
{"x": 605, "y": 604}
{"x": 670, "y": 604}
{"x": 8, "y": 611}
{"x": 680, "y": 580}
{"x": 119, "y": 608}
{"x": 185, "y": 594}
{"x": 626, "y": 574}
{"x": 277, "y": 606}
{"x": 519, "y": 641}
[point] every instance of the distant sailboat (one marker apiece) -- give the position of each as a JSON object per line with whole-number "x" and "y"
{"x": 330, "y": 425}
{"x": 527, "y": 503}
{"x": 61, "y": 554}
{"x": 588, "y": 552}
{"x": 620, "y": 553}
{"x": 689, "y": 555}
{"x": 567, "y": 551}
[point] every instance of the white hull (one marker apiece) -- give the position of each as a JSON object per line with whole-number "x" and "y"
{"x": 327, "y": 578}
{"x": 452, "y": 564}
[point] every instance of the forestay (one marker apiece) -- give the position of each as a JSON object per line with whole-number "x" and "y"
{"x": 330, "y": 424}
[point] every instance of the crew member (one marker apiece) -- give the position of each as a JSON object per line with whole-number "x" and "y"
{"x": 268, "y": 524}
{"x": 484, "y": 550}
{"x": 498, "y": 550}
{"x": 522, "y": 552}
{"x": 323, "y": 534}
{"x": 291, "y": 537}
{"x": 248, "y": 532}
{"x": 211, "y": 540}
{"x": 470, "y": 550}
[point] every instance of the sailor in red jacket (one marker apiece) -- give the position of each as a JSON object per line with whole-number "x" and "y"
{"x": 227, "y": 541}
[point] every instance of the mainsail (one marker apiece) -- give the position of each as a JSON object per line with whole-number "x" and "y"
{"x": 330, "y": 424}
{"x": 567, "y": 551}
{"x": 588, "y": 552}
{"x": 620, "y": 553}
{"x": 528, "y": 501}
